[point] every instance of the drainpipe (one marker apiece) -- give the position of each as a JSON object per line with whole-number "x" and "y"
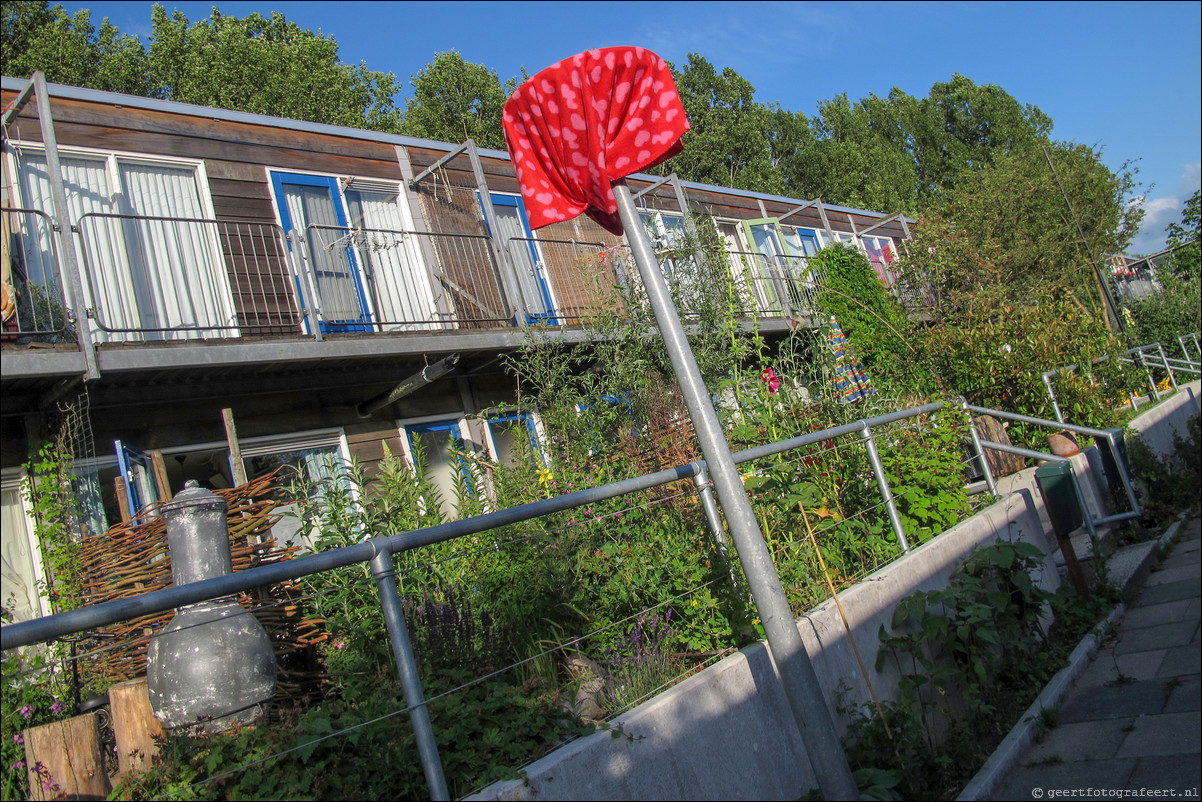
{"x": 427, "y": 375}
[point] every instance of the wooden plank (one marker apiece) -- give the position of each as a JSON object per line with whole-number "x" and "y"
{"x": 160, "y": 475}
{"x": 69, "y": 752}
{"x": 231, "y": 437}
{"x": 134, "y": 726}
{"x": 346, "y": 162}
{"x": 122, "y": 499}
{"x": 175, "y": 124}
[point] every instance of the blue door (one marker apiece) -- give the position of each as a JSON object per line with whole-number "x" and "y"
{"x": 312, "y": 200}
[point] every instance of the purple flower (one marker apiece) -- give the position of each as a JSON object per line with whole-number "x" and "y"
{"x": 26, "y": 711}
{"x": 57, "y": 707}
{"x": 17, "y": 739}
{"x": 20, "y": 764}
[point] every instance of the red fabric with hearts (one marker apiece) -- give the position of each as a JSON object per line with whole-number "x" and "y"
{"x": 579, "y": 125}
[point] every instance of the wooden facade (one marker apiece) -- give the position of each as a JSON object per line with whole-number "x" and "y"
{"x": 269, "y": 363}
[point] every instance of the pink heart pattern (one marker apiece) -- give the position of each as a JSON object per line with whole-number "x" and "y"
{"x": 630, "y": 118}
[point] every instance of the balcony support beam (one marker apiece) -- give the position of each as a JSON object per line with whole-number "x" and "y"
{"x": 66, "y": 248}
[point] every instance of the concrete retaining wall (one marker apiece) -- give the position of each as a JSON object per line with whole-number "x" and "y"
{"x": 726, "y": 732}
{"x": 1157, "y": 426}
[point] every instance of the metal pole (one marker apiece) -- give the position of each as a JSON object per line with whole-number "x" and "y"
{"x": 58, "y": 193}
{"x": 1047, "y": 380}
{"x": 705, "y": 489}
{"x": 1164, "y": 359}
{"x": 394, "y": 620}
{"x": 801, "y": 687}
{"x": 976, "y": 444}
{"x": 882, "y": 483}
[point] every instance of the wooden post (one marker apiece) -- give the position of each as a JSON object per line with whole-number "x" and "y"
{"x": 68, "y": 755}
{"x": 231, "y": 437}
{"x": 160, "y": 475}
{"x": 134, "y": 726}
{"x": 122, "y": 500}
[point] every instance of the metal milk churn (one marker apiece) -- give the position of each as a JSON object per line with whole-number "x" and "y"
{"x": 213, "y": 664}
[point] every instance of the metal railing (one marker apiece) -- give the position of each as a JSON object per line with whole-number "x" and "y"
{"x": 388, "y": 280}
{"x": 377, "y": 552}
{"x": 40, "y": 311}
{"x": 175, "y": 278}
{"x": 779, "y": 286}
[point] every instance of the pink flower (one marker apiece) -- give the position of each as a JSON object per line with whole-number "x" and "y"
{"x": 769, "y": 377}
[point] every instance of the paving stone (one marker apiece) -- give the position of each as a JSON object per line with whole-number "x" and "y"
{"x": 1156, "y": 614}
{"x": 1180, "y": 773}
{"x": 1115, "y": 701}
{"x": 1164, "y": 734}
{"x": 1181, "y": 661}
{"x": 1083, "y": 775}
{"x": 1174, "y": 573}
{"x": 1107, "y": 667}
{"x": 1186, "y": 697}
{"x": 1158, "y": 594}
{"x": 1165, "y": 636}
{"x": 1192, "y": 557}
{"x": 1085, "y": 740}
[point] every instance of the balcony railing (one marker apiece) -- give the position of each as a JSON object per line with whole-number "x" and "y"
{"x": 39, "y": 308}
{"x": 150, "y": 278}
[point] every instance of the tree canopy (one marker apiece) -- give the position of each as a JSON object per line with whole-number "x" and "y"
{"x": 454, "y": 101}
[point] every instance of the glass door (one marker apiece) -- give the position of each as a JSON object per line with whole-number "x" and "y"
{"x": 519, "y": 242}
{"x": 310, "y": 200}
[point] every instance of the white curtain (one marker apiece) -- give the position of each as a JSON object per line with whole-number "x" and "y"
{"x": 17, "y": 566}
{"x": 394, "y": 262}
{"x": 138, "y": 274}
{"x": 174, "y": 263}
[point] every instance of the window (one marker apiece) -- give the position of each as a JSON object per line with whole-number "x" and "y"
{"x": 20, "y": 560}
{"x": 782, "y": 266}
{"x": 312, "y": 461}
{"x": 514, "y": 438}
{"x": 146, "y": 242}
{"x": 440, "y": 441}
{"x": 363, "y": 259}
{"x": 880, "y": 253}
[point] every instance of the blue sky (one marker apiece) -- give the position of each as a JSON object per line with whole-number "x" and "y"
{"x": 1121, "y": 76}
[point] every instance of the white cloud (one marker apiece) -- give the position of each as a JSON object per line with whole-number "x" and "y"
{"x": 1159, "y": 212}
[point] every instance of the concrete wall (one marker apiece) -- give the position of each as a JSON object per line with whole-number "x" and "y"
{"x": 1157, "y": 426}
{"x": 726, "y": 733}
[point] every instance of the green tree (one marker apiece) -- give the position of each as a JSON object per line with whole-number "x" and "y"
{"x": 266, "y": 66}
{"x": 1187, "y": 260}
{"x": 858, "y": 156}
{"x": 729, "y": 142}
{"x": 1176, "y": 309}
{"x": 962, "y": 127}
{"x": 454, "y": 100}
{"x": 70, "y": 50}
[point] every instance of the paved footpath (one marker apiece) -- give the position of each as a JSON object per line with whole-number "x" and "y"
{"x": 1131, "y": 726}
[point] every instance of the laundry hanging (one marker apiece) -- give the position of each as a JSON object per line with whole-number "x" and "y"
{"x": 851, "y": 382}
{"x": 585, "y": 122}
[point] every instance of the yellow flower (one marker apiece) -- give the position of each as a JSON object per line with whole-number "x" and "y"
{"x": 545, "y": 476}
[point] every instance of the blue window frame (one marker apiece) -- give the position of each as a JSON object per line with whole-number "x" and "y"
{"x": 506, "y": 431}
{"x": 441, "y": 442}
{"x": 305, "y": 200}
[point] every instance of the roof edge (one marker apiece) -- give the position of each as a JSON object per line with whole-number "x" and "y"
{"x": 228, "y": 115}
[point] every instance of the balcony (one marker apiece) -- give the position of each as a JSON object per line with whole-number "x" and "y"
{"x": 161, "y": 280}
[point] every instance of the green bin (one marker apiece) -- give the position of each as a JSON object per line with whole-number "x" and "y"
{"x": 1055, "y": 481}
